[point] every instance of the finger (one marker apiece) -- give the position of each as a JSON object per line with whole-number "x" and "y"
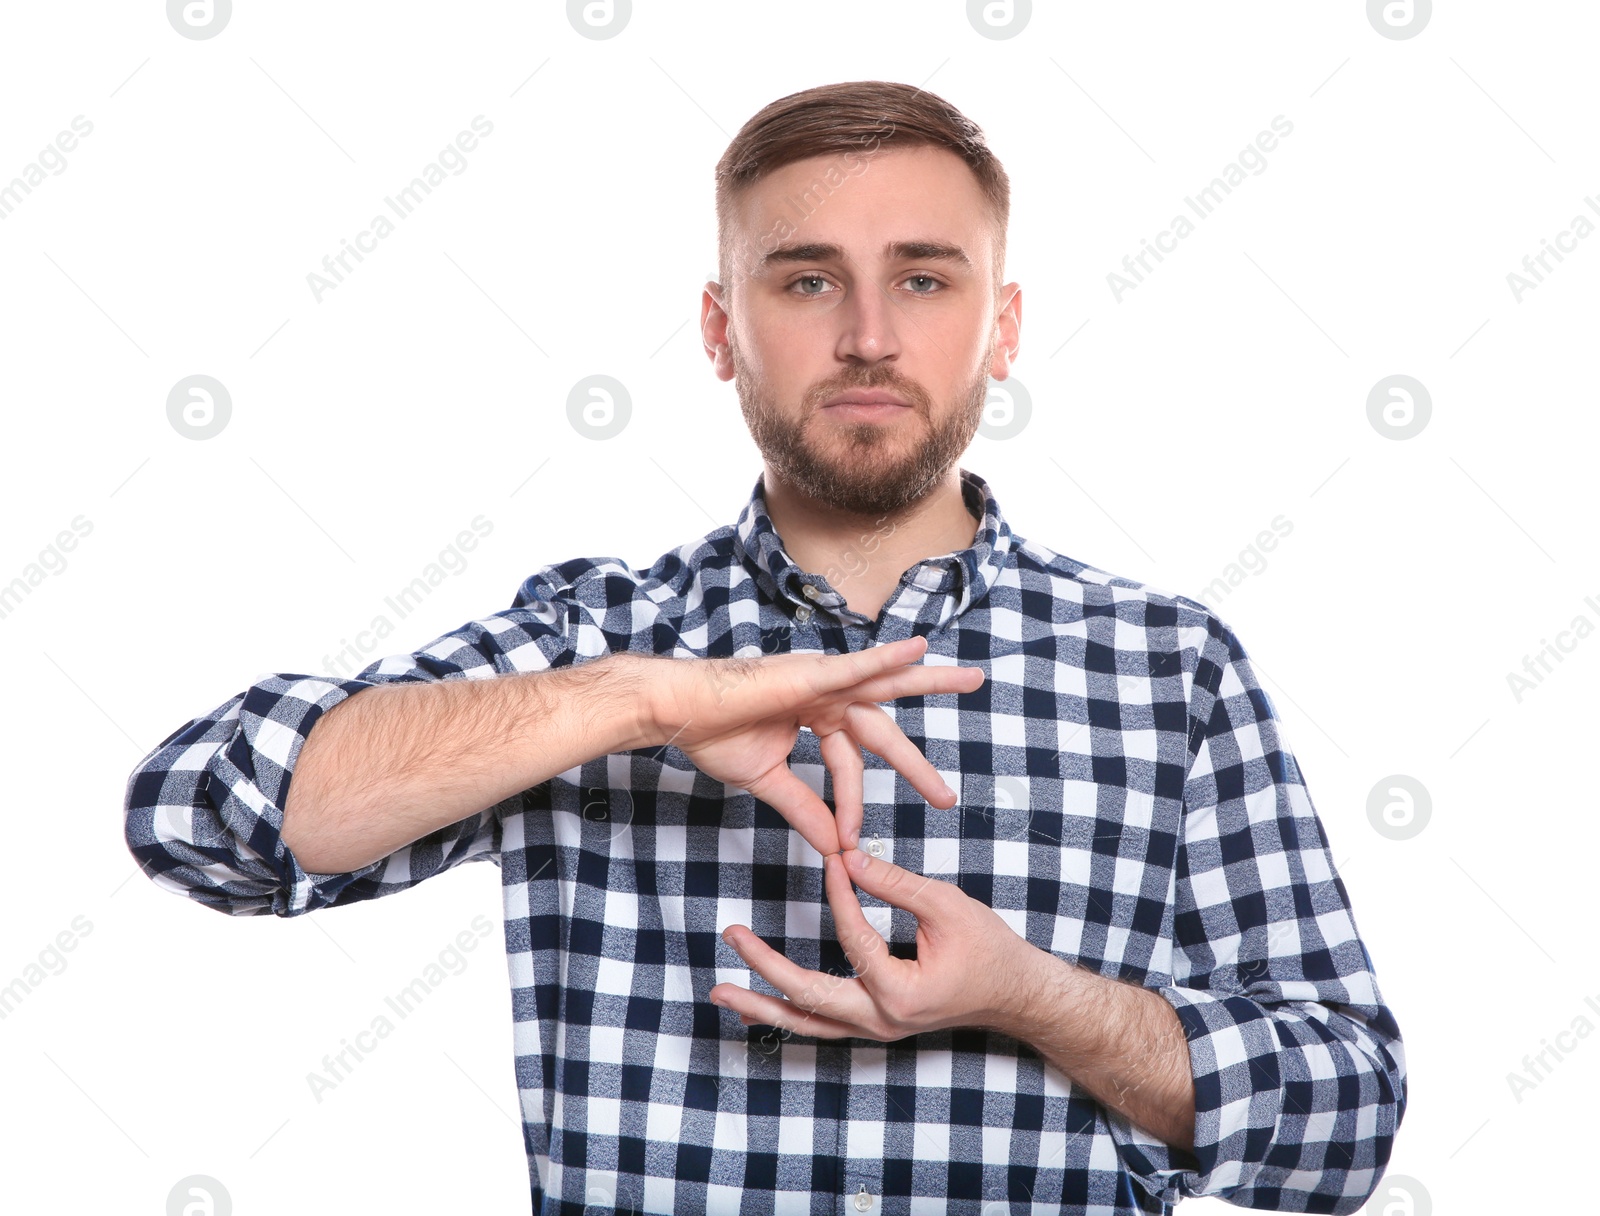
{"x": 842, "y": 754}
{"x": 838, "y": 996}
{"x": 772, "y": 684}
{"x": 923, "y": 896}
{"x": 759, "y": 1009}
{"x": 879, "y": 734}
{"x": 863, "y": 945}
{"x": 833, "y": 672}
{"x": 798, "y": 803}
{"x": 919, "y": 680}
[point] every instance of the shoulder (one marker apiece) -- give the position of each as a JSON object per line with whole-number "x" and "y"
{"x": 1038, "y": 568}
{"x": 605, "y": 582}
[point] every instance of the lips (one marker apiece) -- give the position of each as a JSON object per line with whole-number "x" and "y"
{"x": 865, "y": 396}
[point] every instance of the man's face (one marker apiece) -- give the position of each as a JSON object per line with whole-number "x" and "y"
{"x": 886, "y": 285}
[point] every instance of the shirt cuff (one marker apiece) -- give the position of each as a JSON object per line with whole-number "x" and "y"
{"x": 257, "y": 767}
{"x": 1238, "y": 1097}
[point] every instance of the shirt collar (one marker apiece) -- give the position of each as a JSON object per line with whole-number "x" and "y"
{"x": 964, "y": 576}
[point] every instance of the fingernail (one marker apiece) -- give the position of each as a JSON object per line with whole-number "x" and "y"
{"x": 857, "y": 860}
{"x": 950, "y": 793}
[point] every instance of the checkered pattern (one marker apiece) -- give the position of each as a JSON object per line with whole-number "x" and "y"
{"x": 1127, "y": 802}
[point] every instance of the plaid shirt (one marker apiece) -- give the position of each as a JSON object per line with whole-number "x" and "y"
{"x": 1126, "y": 801}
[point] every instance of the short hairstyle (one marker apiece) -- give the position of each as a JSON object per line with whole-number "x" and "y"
{"x": 852, "y": 119}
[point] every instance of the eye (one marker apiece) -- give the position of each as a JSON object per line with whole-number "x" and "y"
{"x": 926, "y": 278}
{"x": 807, "y": 278}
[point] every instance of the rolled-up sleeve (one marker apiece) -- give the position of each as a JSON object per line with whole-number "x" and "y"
{"x": 203, "y": 811}
{"x": 1298, "y": 1065}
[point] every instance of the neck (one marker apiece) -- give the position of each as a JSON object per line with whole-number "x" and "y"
{"x": 863, "y": 557}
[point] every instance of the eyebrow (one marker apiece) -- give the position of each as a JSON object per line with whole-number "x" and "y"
{"x": 894, "y": 251}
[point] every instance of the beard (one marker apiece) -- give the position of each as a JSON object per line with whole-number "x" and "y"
{"x": 867, "y": 469}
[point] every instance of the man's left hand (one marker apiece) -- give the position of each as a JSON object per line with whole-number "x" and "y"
{"x": 971, "y": 968}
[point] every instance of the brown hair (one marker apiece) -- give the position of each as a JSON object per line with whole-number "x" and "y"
{"x": 850, "y": 120}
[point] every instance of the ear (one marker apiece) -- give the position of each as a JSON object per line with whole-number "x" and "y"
{"x": 714, "y": 322}
{"x": 1008, "y": 331}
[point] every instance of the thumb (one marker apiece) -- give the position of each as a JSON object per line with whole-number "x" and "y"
{"x": 782, "y": 790}
{"x": 919, "y": 894}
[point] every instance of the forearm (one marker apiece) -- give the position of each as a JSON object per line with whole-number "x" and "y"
{"x": 394, "y": 762}
{"x": 1123, "y": 1044}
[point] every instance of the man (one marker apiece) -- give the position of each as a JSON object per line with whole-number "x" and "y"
{"x": 1109, "y": 966}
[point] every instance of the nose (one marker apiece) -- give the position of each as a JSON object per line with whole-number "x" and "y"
{"x": 869, "y": 324}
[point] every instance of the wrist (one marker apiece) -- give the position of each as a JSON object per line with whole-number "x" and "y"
{"x": 1052, "y": 1004}
{"x": 636, "y": 682}
{"x": 1028, "y": 984}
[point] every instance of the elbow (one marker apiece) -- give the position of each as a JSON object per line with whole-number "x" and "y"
{"x": 1330, "y": 1141}
{"x": 299, "y": 836}
{"x": 312, "y": 845}
{"x": 1356, "y": 1154}
{"x": 182, "y": 843}
{"x": 1368, "y": 1154}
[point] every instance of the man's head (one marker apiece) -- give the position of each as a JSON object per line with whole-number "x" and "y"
{"x": 861, "y": 243}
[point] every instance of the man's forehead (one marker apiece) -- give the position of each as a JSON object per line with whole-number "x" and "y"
{"x": 930, "y": 187}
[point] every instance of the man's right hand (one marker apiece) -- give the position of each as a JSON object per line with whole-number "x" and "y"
{"x": 739, "y": 719}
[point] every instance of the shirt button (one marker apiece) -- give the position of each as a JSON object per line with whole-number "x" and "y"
{"x": 864, "y": 1201}
{"x": 875, "y": 847}
{"x": 810, "y": 592}
{"x": 802, "y": 614}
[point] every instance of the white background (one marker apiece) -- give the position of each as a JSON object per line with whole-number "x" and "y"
{"x": 430, "y": 387}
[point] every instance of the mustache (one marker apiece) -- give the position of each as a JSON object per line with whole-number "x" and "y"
{"x": 911, "y": 393}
